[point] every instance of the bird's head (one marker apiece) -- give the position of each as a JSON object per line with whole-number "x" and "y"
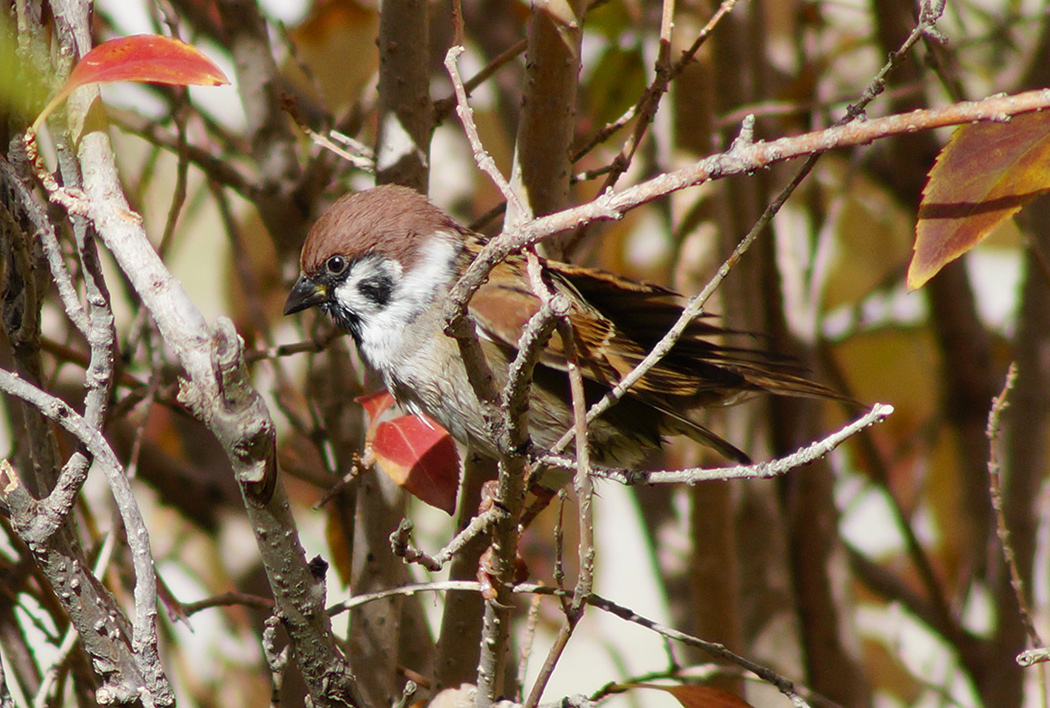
{"x": 377, "y": 258}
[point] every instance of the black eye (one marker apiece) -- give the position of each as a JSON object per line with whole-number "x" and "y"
{"x": 335, "y": 265}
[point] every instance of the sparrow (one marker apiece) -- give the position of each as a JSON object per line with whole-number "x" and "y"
{"x": 381, "y": 263}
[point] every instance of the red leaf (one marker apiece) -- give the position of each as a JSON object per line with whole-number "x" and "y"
{"x": 143, "y": 58}
{"x": 695, "y": 696}
{"x": 375, "y": 403}
{"x": 985, "y": 174}
{"x": 146, "y": 57}
{"x": 421, "y": 457}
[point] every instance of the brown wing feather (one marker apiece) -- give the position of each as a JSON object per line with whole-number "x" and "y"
{"x": 617, "y": 321}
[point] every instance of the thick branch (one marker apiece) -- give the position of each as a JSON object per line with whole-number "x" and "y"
{"x": 222, "y": 395}
{"x": 406, "y": 115}
{"x": 541, "y": 170}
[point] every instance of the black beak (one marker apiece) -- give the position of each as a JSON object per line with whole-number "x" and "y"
{"x": 305, "y": 293}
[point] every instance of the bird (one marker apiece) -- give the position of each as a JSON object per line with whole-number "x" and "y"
{"x": 381, "y": 262}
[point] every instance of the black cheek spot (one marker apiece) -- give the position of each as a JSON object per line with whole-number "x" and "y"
{"x": 377, "y": 288}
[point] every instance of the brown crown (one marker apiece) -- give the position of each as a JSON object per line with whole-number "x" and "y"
{"x": 388, "y": 220}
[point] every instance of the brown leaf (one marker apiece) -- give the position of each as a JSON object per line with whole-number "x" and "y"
{"x": 985, "y": 174}
{"x": 421, "y": 457}
{"x": 142, "y": 58}
{"x": 696, "y": 696}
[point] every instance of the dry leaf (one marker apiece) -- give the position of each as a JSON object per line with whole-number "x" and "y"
{"x": 985, "y": 174}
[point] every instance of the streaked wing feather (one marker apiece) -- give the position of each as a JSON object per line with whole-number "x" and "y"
{"x": 617, "y": 321}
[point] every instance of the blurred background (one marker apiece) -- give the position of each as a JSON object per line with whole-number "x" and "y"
{"x": 874, "y": 577}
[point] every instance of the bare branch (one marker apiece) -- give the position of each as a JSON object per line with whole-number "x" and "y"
{"x": 443, "y": 106}
{"x": 51, "y": 512}
{"x": 738, "y": 160}
{"x": 405, "y": 113}
{"x": 761, "y": 470}
{"x": 466, "y": 116}
{"x": 1033, "y": 656}
{"x": 480, "y": 524}
{"x": 227, "y": 599}
{"x": 541, "y": 169}
{"x": 999, "y": 404}
{"x": 784, "y": 685}
{"x": 218, "y": 389}
{"x": 649, "y": 101}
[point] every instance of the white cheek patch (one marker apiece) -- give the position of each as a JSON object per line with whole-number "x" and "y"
{"x": 436, "y": 270}
{"x": 348, "y": 293}
{"x": 382, "y": 329}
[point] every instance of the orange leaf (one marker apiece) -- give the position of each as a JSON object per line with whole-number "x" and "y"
{"x": 695, "y": 696}
{"x": 985, "y": 174}
{"x": 340, "y": 553}
{"x": 421, "y": 457}
{"x": 143, "y": 58}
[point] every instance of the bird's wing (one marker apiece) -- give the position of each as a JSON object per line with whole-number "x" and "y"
{"x": 617, "y": 321}
{"x": 503, "y": 306}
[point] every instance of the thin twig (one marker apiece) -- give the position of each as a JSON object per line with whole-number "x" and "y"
{"x": 309, "y": 346}
{"x": 54, "y": 508}
{"x": 940, "y": 614}
{"x": 49, "y": 241}
{"x": 480, "y": 524}
{"x": 581, "y": 482}
{"x": 481, "y": 155}
{"x": 227, "y": 599}
{"x": 179, "y": 111}
{"x": 999, "y": 404}
{"x": 533, "y": 338}
{"x": 550, "y": 662}
{"x": 214, "y": 165}
{"x": 443, "y": 107}
{"x": 528, "y": 638}
{"x": 1033, "y": 656}
{"x": 510, "y": 485}
{"x": 738, "y": 160}
{"x": 363, "y": 162}
{"x": 645, "y": 107}
{"x": 45, "y": 695}
{"x": 358, "y": 467}
{"x": 784, "y": 685}
{"x": 762, "y": 470}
